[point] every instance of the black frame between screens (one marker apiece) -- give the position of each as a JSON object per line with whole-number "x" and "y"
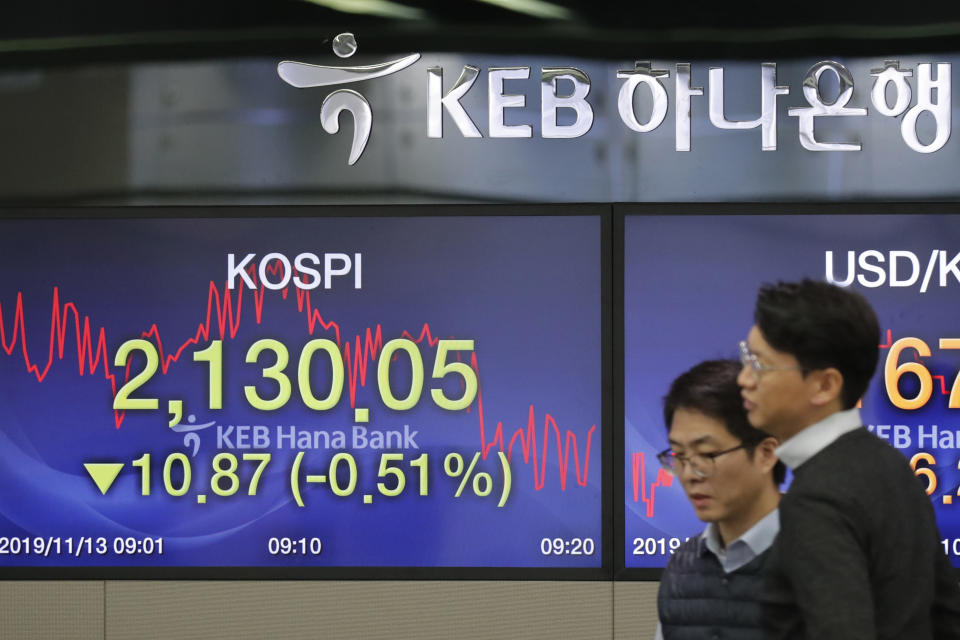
{"x": 620, "y": 213}
{"x": 602, "y": 573}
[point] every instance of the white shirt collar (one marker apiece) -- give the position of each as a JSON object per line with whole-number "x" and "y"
{"x": 752, "y": 543}
{"x": 817, "y": 437}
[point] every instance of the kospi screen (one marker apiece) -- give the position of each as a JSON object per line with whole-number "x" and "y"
{"x": 282, "y": 388}
{"x": 690, "y": 284}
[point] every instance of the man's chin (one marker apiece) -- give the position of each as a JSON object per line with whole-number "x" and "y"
{"x": 705, "y": 514}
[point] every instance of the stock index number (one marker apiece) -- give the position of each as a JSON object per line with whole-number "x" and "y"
{"x": 277, "y": 352}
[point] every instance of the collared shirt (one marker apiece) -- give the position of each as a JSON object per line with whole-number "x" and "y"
{"x": 817, "y": 437}
{"x": 741, "y": 551}
{"x": 755, "y": 541}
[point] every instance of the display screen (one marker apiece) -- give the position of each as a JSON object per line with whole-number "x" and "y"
{"x": 302, "y": 388}
{"x": 690, "y": 285}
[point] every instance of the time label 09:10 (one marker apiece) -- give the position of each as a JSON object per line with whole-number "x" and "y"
{"x": 213, "y": 356}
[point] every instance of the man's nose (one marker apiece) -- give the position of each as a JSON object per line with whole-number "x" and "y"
{"x": 747, "y": 376}
{"x": 687, "y": 474}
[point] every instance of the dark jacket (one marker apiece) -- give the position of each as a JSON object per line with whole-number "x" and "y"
{"x": 859, "y": 554}
{"x": 697, "y": 600}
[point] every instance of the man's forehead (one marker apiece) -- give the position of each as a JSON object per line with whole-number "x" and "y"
{"x": 758, "y": 344}
{"x": 691, "y": 427}
{"x": 693, "y": 442}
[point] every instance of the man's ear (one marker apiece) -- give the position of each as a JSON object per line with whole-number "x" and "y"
{"x": 826, "y": 385}
{"x": 764, "y": 454}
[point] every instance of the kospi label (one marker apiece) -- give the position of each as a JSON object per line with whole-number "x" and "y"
{"x": 275, "y": 270}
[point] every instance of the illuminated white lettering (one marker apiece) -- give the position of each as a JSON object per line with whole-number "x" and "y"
{"x": 234, "y": 270}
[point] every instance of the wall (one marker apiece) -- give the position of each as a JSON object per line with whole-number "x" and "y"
{"x": 466, "y": 610}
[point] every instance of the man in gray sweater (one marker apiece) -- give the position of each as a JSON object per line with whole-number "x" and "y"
{"x": 858, "y": 555}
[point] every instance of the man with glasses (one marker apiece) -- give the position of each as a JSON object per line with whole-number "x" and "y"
{"x": 858, "y": 555}
{"x": 710, "y": 587}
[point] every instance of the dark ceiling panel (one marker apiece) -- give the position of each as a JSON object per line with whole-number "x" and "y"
{"x": 70, "y": 32}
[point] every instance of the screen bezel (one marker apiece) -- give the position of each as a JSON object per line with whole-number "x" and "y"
{"x": 602, "y": 573}
{"x": 729, "y": 209}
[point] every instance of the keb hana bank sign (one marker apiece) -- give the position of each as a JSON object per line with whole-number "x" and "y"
{"x": 916, "y": 99}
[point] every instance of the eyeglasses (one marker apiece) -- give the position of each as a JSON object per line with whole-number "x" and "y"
{"x": 749, "y": 359}
{"x": 702, "y": 464}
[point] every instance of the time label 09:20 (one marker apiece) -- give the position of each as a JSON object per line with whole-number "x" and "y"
{"x": 277, "y": 372}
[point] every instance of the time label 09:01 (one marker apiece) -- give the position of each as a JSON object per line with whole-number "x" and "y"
{"x": 47, "y": 546}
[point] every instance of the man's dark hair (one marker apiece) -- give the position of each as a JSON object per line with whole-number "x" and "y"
{"x": 711, "y": 388}
{"x": 822, "y": 326}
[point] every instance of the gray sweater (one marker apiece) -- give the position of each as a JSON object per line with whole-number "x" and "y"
{"x": 859, "y": 554}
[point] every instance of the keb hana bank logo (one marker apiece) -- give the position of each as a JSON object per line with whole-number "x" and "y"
{"x": 304, "y": 76}
{"x": 920, "y": 99}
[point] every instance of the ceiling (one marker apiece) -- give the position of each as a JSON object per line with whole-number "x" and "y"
{"x": 71, "y": 32}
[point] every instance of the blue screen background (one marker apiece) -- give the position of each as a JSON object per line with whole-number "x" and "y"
{"x": 527, "y": 289}
{"x": 690, "y": 285}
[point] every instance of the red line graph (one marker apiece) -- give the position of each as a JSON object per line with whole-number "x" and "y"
{"x": 943, "y": 384}
{"x": 640, "y": 491}
{"x": 223, "y": 316}
{"x": 886, "y": 344}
